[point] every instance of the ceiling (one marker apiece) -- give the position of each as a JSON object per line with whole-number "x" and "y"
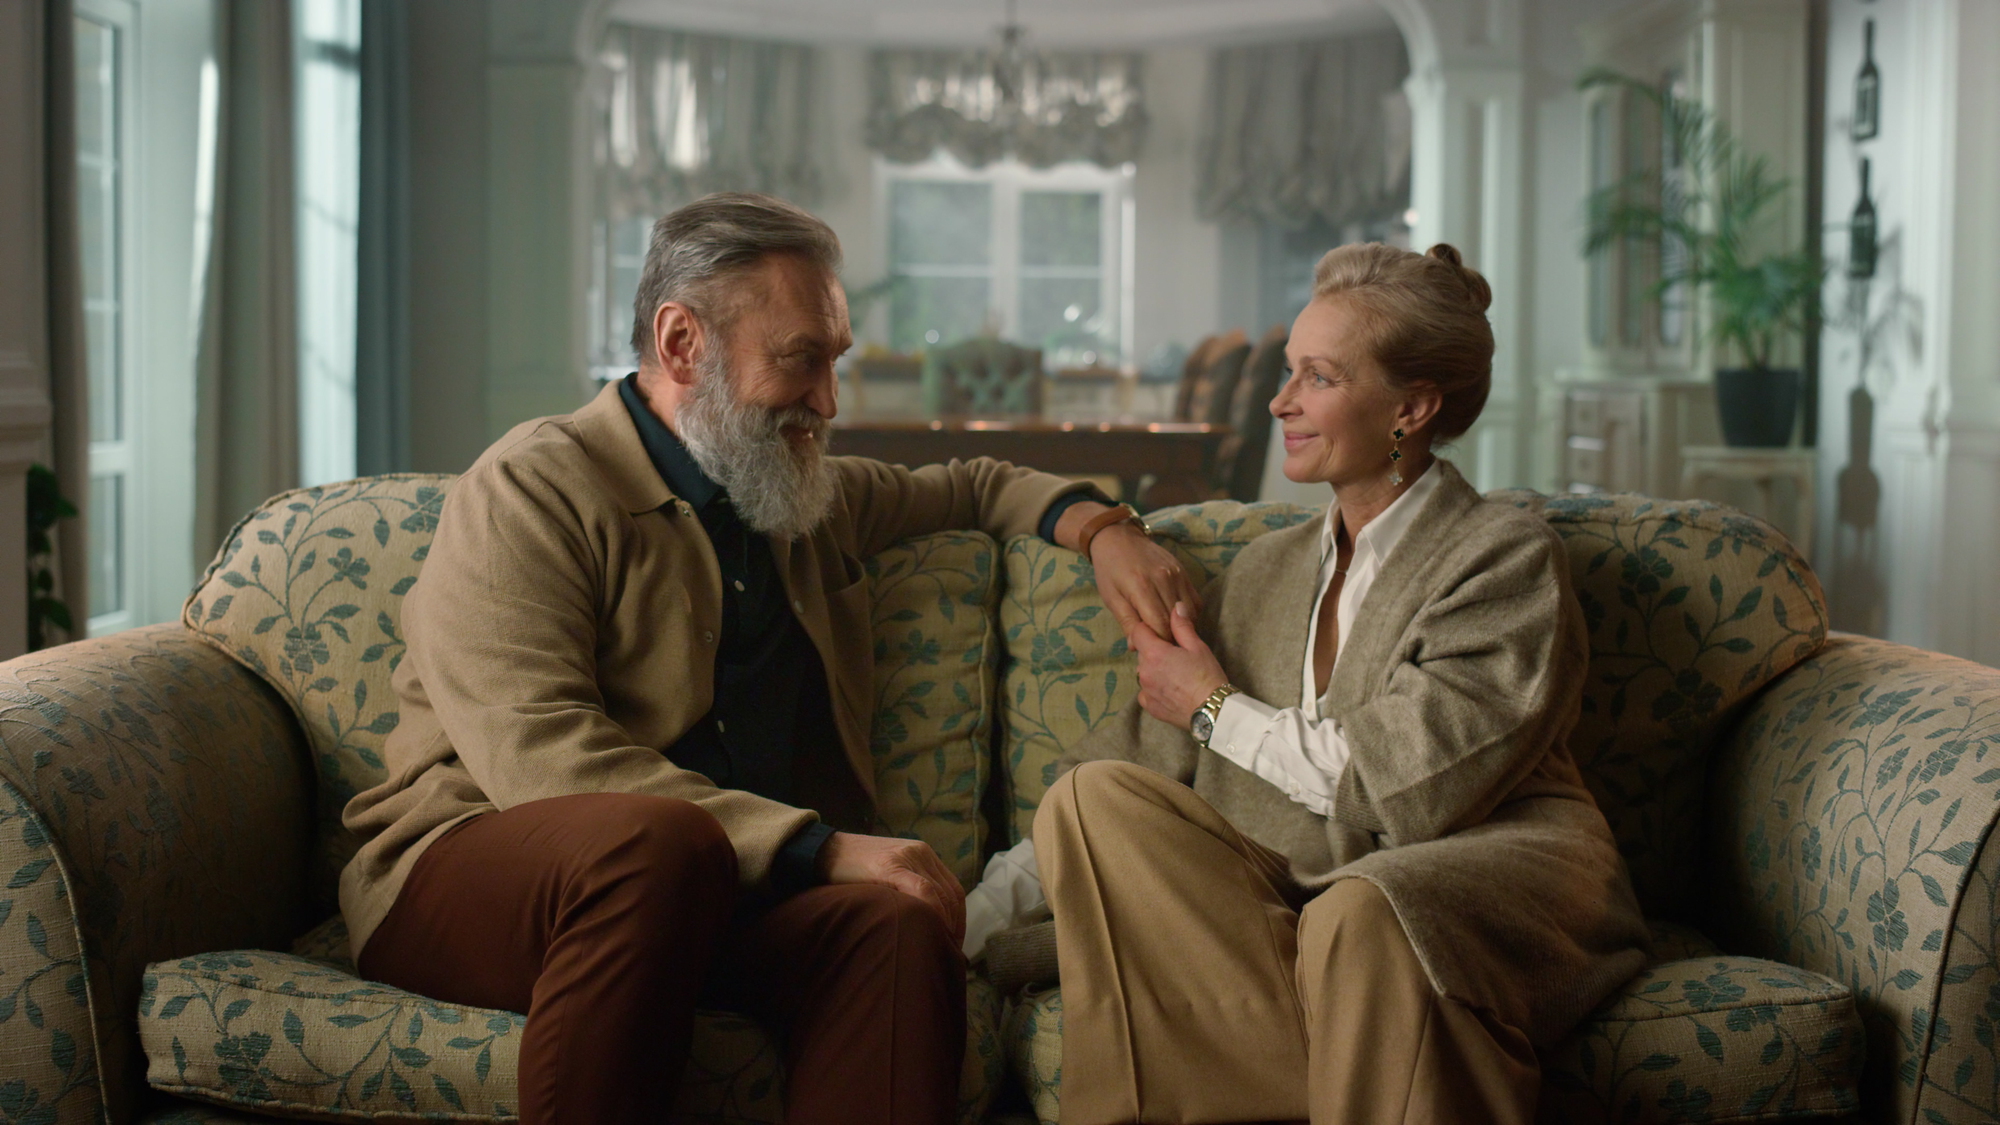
{"x": 1049, "y": 23}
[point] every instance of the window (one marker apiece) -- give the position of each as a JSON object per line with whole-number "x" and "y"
{"x": 1039, "y": 257}
{"x": 103, "y": 70}
{"x": 329, "y": 217}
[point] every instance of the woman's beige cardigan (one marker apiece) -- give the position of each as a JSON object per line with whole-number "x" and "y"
{"x": 1457, "y": 690}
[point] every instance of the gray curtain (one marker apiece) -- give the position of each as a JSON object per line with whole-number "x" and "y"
{"x": 1076, "y": 105}
{"x": 69, "y": 372}
{"x": 1293, "y": 132}
{"x": 683, "y": 115}
{"x": 382, "y": 306}
{"x": 246, "y": 364}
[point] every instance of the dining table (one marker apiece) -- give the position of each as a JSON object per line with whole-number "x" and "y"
{"x": 1157, "y": 463}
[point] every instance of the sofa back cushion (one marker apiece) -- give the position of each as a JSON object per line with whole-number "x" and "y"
{"x": 1066, "y": 666}
{"x": 1692, "y": 608}
{"x": 308, "y": 592}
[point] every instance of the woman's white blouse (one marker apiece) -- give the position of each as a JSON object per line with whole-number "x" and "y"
{"x": 1296, "y": 749}
{"x": 1299, "y": 749}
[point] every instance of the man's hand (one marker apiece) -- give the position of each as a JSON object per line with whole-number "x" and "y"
{"x": 1176, "y": 677}
{"x": 1139, "y": 580}
{"x": 909, "y": 866}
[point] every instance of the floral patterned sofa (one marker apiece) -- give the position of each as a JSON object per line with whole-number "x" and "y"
{"x": 1816, "y": 805}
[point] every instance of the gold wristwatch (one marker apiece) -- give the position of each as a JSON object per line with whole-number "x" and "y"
{"x": 1202, "y": 724}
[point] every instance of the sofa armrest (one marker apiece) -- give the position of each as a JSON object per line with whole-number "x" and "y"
{"x": 155, "y": 801}
{"x": 1850, "y": 812}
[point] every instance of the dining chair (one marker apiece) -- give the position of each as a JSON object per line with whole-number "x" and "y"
{"x": 1215, "y": 391}
{"x": 983, "y": 376}
{"x": 1239, "y": 468}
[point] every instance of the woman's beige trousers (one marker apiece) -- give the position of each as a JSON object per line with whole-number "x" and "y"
{"x": 1200, "y": 985}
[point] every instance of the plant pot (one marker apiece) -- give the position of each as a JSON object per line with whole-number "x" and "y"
{"x": 1757, "y": 406}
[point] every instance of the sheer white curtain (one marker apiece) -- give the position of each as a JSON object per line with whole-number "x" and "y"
{"x": 1043, "y": 109}
{"x": 1294, "y": 132}
{"x": 682, "y": 115}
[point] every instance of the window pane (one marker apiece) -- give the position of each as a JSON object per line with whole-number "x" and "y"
{"x": 94, "y": 46}
{"x": 1061, "y": 228}
{"x": 97, "y": 189}
{"x": 933, "y": 224}
{"x": 1061, "y": 316}
{"x": 628, "y": 258}
{"x": 107, "y": 544}
{"x": 101, "y": 338}
{"x": 932, "y": 311}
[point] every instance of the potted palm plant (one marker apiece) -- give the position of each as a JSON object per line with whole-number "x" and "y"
{"x": 1716, "y": 214}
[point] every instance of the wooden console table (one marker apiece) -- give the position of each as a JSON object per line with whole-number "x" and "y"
{"x": 1176, "y": 455}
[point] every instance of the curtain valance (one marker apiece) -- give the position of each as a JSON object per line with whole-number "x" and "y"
{"x": 681, "y": 115}
{"x": 1297, "y": 131}
{"x": 979, "y": 106}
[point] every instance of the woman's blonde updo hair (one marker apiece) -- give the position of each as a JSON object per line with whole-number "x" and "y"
{"x": 1426, "y": 322}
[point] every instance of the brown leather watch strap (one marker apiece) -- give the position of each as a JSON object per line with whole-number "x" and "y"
{"x": 1106, "y": 518}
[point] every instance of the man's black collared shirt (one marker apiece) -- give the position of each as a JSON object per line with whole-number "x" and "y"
{"x": 771, "y": 704}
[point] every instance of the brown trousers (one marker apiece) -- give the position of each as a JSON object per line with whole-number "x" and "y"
{"x": 1202, "y": 984}
{"x": 605, "y": 916}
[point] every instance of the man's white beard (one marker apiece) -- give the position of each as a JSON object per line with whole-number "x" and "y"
{"x": 779, "y": 487}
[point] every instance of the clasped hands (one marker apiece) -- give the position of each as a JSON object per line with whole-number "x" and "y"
{"x": 1148, "y": 590}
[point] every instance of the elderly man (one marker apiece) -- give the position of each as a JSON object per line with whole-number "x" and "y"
{"x": 633, "y": 768}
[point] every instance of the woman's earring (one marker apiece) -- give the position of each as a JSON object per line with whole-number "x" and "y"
{"x": 1395, "y": 455}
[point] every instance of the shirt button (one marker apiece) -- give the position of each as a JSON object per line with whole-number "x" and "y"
{"x": 708, "y": 637}
{"x": 738, "y": 584}
{"x": 798, "y": 606}
{"x": 721, "y": 727}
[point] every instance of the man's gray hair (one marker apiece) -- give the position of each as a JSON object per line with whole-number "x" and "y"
{"x": 699, "y": 247}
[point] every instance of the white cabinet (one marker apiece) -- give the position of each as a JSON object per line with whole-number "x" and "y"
{"x": 1627, "y": 435}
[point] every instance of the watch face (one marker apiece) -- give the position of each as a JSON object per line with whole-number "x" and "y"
{"x": 1201, "y": 726}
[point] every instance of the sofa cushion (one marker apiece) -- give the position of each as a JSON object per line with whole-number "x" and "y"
{"x": 1715, "y": 1038}
{"x": 295, "y": 1036}
{"x": 936, "y": 656}
{"x": 1692, "y": 608}
{"x": 1067, "y": 668}
{"x": 308, "y": 593}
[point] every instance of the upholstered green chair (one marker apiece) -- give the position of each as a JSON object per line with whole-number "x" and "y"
{"x": 983, "y": 378}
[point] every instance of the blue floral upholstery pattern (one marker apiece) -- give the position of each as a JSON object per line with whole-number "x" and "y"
{"x": 308, "y": 593}
{"x": 936, "y": 655}
{"x": 300, "y": 1036}
{"x": 1853, "y": 810}
{"x": 1692, "y": 608}
{"x": 1067, "y": 666}
{"x": 1710, "y": 1039}
{"x": 1034, "y": 1043}
{"x": 154, "y": 800}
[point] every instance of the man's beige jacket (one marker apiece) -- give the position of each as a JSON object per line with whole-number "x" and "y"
{"x": 562, "y": 637}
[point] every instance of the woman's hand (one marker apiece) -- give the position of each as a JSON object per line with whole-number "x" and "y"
{"x": 1139, "y": 580}
{"x": 1176, "y": 676}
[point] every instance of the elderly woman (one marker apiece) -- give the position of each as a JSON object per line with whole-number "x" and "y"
{"x": 1337, "y": 863}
